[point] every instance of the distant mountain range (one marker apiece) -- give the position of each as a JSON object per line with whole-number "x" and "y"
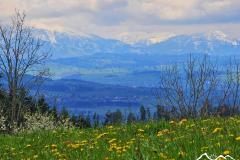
{"x": 74, "y": 45}
{"x": 95, "y": 74}
{"x": 110, "y": 61}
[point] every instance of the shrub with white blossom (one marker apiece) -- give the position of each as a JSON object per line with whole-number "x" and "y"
{"x": 2, "y": 122}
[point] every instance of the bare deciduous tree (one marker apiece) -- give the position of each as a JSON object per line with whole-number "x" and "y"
{"x": 187, "y": 89}
{"x": 20, "y": 54}
{"x": 230, "y": 86}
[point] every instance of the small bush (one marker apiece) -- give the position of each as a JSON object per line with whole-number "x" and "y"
{"x": 2, "y": 124}
{"x": 38, "y": 121}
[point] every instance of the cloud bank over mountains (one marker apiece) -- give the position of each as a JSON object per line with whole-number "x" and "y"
{"x": 111, "y": 18}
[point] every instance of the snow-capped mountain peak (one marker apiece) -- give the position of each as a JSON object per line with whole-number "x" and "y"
{"x": 214, "y": 36}
{"x": 212, "y": 43}
{"x": 52, "y": 36}
{"x": 221, "y": 36}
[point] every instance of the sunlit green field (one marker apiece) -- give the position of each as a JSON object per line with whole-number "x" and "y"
{"x": 185, "y": 139}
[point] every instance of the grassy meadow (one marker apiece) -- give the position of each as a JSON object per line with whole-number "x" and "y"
{"x": 185, "y": 139}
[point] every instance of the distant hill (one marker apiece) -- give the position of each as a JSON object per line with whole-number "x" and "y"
{"x": 82, "y": 97}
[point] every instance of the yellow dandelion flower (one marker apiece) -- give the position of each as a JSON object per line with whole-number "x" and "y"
{"x": 119, "y": 148}
{"x": 75, "y": 146}
{"x": 140, "y": 130}
{"x": 29, "y": 145}
{"x": 101, "y": 135}
{"x": 54, "y": 150}
{"x": 53, "y": 146}
{"x": 112, "y": 140}
{"x": 216, "y": 130}
{"x": 160, "y": 133}
{"x": 35, "y": 156}
{"x": 226, "y": 152}
{"x": 237, "y": 138}
{"x": 109, "y": 127}
{"x": 181, "y": 154}
{"x": 183, "y": 121}
{"x": 172, "y": 122}
{"x": 163, "y": 156}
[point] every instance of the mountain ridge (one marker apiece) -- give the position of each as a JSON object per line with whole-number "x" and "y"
{"x": 98, "y": 59}
{"x": 65, "y": 44}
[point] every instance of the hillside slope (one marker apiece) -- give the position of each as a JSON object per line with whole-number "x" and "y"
{"x": 153, "y": 140}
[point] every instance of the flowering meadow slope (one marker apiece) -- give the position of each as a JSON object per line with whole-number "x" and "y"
{"x": 185, "y": 139}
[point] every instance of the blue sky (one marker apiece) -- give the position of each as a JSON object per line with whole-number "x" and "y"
{"x": 129, "y": 18}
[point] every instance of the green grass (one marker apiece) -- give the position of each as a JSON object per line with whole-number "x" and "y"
{"x": 153, "y": 140}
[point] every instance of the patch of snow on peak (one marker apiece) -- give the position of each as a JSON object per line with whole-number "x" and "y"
{"x": 45, "y": 35}
{"x": 217, "y": 35}
{"x": 158, "y": 39}
{"x": 51, "y": 35}
{"x": 143, "y": 37}
{"x": 214, "y": 36}
{"x": 235, "y": 43}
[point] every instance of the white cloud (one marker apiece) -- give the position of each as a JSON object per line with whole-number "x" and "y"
{"x": 165, "y": 10}
{"x": 109, "y": 17}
